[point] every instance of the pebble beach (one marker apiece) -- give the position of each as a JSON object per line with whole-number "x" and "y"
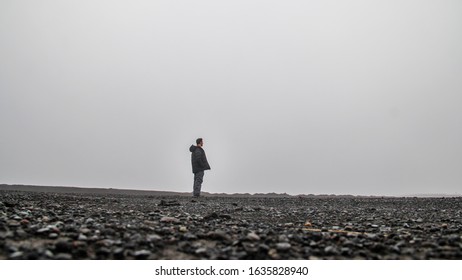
{"x": 109, "y": 225}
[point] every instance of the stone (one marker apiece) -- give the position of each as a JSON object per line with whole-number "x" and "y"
{"x": 43, "y": 230}
{"x": 63, "y": 256}
{"x": 63, "y": 246}
{"x": 200, "y": 250}
{"x": 211, "y": 216}
{"x": 9, "y": 203}
{"x": 142, "y": 254}
{"x": 21, "y": 233}
{"x": 49, "y": 254}
{"x": 272, "y": 253}
{"x": 218, "y": 234}
{"x": 84, "y": 230}
{"x": 225, "y": 216}
{"x": 153, "y": 238}
{"x": 82, "y": 237}
{"x": 283, "y": 238}
{"x": 252, "y": 236}
{"x": 167, "y": 219}
{"x": 283, "y": 246}
{"x": 103, "y": 252}
{"x": 165, "y": 203}
{"x": 190, "y": 236}
{"x": 16, "y": 255}
{"x": 105, "y": 242}
{"x": 16, "y": 217}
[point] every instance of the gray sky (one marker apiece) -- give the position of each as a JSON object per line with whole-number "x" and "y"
{"x": 341, "y": 97}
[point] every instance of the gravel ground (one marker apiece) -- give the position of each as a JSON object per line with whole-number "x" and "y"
{"x": 45, "y": 225}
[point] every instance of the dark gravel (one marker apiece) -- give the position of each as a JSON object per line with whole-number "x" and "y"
{"x": 43, "y": 225}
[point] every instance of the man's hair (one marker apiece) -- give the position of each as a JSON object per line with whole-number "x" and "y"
{"x": 198, "y": 141}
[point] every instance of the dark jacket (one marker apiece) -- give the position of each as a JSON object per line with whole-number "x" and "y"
{"x": 198, "y": 159}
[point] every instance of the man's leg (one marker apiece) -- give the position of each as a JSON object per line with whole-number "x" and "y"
{"x": 198, "y": 179}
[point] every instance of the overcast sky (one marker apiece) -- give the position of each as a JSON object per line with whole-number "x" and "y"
{"x": 337, "y": 97}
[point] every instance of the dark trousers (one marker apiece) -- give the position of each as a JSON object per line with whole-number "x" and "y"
{"x": 198, "y": 179}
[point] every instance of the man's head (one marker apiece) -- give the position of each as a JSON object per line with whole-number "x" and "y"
{"x": 199, "y": 142}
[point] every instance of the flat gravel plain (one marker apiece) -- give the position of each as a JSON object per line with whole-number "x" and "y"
{"x": 48, "y": 225}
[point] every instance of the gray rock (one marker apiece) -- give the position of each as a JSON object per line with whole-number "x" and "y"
{"x": 16, "y": 255}
{"x": 218, "y": 234}
{"x": 200, "y": 250}
{"x": 283, "y": 246}
{"x": 331, "y": 250}
{"x": 283, "y": 238}
{"x": 189, "y": 236}
{"x": 142, "y": 254}
{"x": 63, "y": 256}
{"x": 167, "y": 219}
{"x": 82, "y": 237}
{"x": 252, "y": 236}
{"x": 13, "y": 223}
{"x": 153, "y": 238}
{"x": 49, "y": 254}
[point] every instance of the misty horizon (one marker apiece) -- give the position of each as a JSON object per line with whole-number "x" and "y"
{"x": 69, "y": 189}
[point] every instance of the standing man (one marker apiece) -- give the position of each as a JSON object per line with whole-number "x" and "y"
{"x": 199, "y": 164}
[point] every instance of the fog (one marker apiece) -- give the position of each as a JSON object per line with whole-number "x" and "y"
{"x": 302, "y": 97}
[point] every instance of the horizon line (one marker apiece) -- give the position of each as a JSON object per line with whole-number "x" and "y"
{"x": 429, "y": 195}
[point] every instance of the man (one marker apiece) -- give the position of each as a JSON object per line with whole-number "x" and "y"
{"x": 199, "y": 164}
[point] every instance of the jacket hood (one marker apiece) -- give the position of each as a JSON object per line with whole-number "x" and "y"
{"x": 192, "y": 148}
